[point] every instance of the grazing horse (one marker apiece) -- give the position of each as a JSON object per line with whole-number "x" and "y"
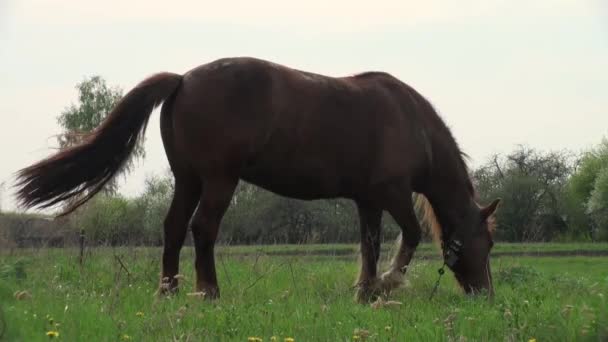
{"x": 368, "y": 137}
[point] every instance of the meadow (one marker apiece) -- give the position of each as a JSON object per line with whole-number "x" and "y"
{"x": 544, "y": 292}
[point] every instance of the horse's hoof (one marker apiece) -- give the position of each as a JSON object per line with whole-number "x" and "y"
{"x": 367, "y": 292}
{"x": 391, "y": 280}
{"x": 167, "y": 288}
{"x": 164, "y": 291}
{"x": 207, "y": 293}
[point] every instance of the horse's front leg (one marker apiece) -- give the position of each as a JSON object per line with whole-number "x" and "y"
{"x": 402, "y": 210}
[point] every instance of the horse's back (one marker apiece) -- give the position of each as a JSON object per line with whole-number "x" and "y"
{"x": 296, "y": 133}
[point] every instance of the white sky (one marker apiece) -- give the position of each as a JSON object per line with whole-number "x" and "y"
{"x": 501, "y": 73}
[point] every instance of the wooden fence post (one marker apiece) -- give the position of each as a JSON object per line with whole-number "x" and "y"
{"x": 81, "y": 246}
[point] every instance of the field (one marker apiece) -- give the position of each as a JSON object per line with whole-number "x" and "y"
{"x": 301, "y": 292}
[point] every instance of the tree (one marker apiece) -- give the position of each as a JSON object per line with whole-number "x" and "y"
{"x": 95, "y": 101}
{"x": 533, "y": 186}
{"x": 589, "y": 188}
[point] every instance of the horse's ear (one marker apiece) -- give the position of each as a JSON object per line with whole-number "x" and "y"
{"x": 490, "y": 209}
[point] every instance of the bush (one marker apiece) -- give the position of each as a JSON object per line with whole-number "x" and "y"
{"x": 110, "y": 220}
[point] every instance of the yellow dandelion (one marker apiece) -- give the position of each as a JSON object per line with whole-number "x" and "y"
{"x": 356, "y": 338}
{"x": 139, "y": 314}
{"x": 254, "y": 339}
{"x": 52, "y": 334}
{"x": 532, "y": 340}
{"x": 289, "y": 339}
{"x": 125, "y": 337}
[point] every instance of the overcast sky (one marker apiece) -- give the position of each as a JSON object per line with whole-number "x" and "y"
{"x": 501, "y": 73}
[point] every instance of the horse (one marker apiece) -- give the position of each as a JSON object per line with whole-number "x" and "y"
{"x": 367, "y": 137}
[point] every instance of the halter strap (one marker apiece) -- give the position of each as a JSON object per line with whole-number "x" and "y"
{"x": 451, "y": 252}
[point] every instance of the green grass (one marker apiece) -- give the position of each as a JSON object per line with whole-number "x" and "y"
{"x": 307, "y": 298}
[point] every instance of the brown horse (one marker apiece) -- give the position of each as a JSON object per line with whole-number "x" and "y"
{"x": 369, "y": 137}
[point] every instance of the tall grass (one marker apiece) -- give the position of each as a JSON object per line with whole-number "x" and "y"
{"x": 111, "y": 298}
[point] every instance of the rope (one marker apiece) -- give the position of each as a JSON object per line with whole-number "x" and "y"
{"x": 441, "y": 271}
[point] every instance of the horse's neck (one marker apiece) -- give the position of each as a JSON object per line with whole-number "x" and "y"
{"x": 450, "y": 196}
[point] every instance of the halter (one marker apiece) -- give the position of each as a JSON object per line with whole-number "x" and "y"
{"x": 451, "y": 253}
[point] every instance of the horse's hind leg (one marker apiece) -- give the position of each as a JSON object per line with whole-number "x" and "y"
{"x": 205, "y": 226}
{"x": 401, "y": 209}
{"x": 186, "y": 196}
{"x": 370, "y": 222}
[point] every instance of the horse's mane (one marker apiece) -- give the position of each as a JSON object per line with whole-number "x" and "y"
{"x": 423, "y": 206}
{"x": 429, "y": 219}
{"x": 431, "y": 223}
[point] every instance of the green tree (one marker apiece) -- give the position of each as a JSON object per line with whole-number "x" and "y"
{"x": 95, "y": 101}
{"x": 589, "y": 188}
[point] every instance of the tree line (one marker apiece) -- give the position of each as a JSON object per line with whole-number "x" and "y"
{"x": 547, "y": 196}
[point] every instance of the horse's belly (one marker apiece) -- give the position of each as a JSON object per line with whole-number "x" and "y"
{"x": 302, "y": 183}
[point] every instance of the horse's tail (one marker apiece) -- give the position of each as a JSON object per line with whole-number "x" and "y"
{"x": 84, "y": 169}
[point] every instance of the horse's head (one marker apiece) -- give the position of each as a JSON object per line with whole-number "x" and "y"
{"x": 469, "y": 256}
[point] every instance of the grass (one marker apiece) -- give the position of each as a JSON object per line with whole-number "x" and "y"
{"x": 298, "y": 296}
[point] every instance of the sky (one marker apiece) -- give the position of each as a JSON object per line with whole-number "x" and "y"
{"x": 501, "y": 73}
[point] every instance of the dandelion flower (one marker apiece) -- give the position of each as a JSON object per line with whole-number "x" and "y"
{"x": 289, "y": 339}
{"x": 532, "y": 340}
{"x": 52, "y": 334}
{"x": 254, "y": 339}
{"x": 125, "y": 337}
{"x": 139, "y": 314}
{"x": 356, "y": 338}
